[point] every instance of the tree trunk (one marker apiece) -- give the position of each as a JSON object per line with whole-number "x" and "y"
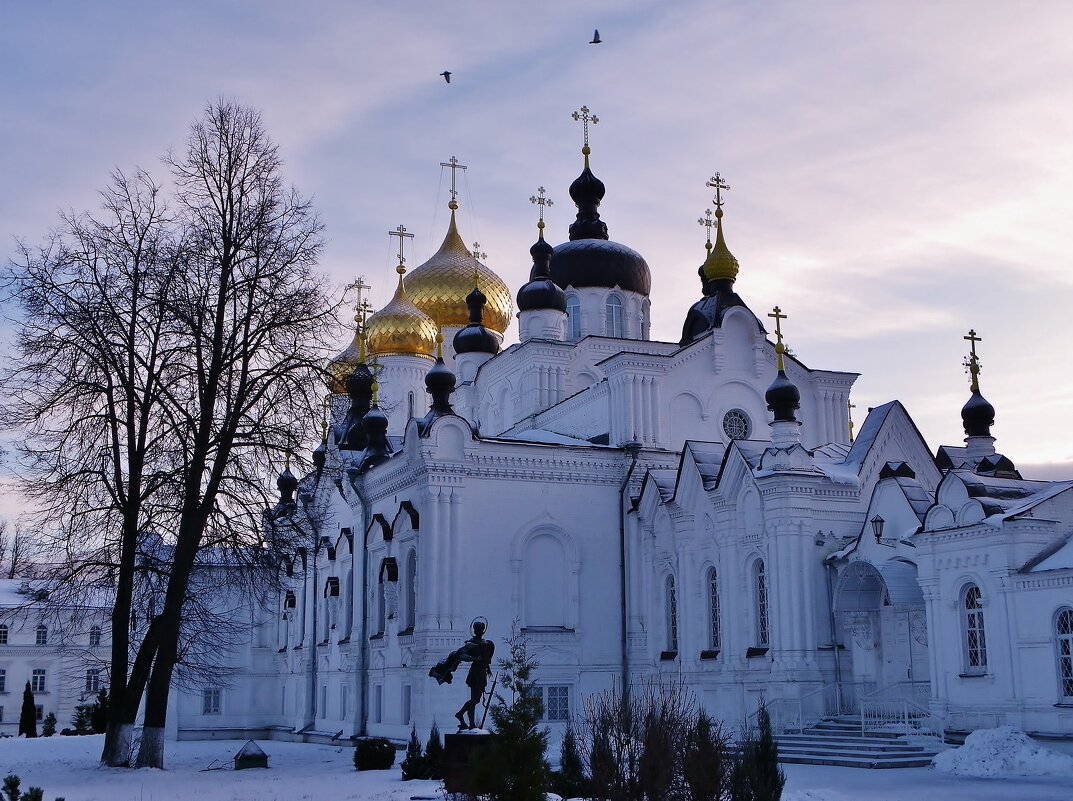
{"x": 117, "y": 742}
{"x": 151, "y": 748}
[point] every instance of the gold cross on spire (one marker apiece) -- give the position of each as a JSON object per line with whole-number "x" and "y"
{"x": 717, "y": 183}
{"x": 403, "y": 235}
{"x": 542, "y": 203}
{"x": 972, "y": 361}
{"x": 780, "y": 348}
{"x": 708, "y": 223}
{"x": 477, "y": 256}
{"x": 583, "y": 115}
{"x": 454, "y": 166}
{"x": 477, "y": 252}
{"x": 359, "y": 300}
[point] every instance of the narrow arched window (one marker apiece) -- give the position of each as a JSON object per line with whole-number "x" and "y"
{"x": 972, "y": 627}
{"x": 573, "y": 317}
{"x": 411, "y": 590}
{"x": 613, "y": 316}
{"x": 410, "y": 405}
{"x": 713, "y": 609}
{"x": 760, "y": 586}
{"x": 349, "y": 601}
{"x": 672, "y": 616}
{"x": 94, "y": 636}
{"x": 42, "y": 635}
{"x": 1063, "y": 641}
{"x": 381, "y": 607}
{"x": 3, "y": 633}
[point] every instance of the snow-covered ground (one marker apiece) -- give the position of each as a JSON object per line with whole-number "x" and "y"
{"x": 66, "y": 767}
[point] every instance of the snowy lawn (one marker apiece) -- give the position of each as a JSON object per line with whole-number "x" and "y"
{"x": 67, "y": 767}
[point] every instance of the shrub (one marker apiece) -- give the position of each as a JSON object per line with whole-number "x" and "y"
{"x": 33, "y": 794}
{"x": 11, "y": 787}
{"x": 99, "y": 715}
{"x": 374, "y": 753}
{"x": 48, "y": 725}
{"x": 708, "y": 761}
{"x": 569, "y": 781}
{"x": 414, "y": 765}
{"x": 434, "y": 754}
{"x": 756, "y": 775}
{"x": 513, "y": 767}
{"x": 28, "y": 716}
{"x": 82, "y": 722}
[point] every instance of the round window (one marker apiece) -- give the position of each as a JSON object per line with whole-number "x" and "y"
{"x": 736, "y": 424}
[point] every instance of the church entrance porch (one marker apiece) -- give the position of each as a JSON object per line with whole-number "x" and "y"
{"x": 879, "y": 610}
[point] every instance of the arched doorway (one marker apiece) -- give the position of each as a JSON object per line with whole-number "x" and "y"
{"x": 880, "y": 611}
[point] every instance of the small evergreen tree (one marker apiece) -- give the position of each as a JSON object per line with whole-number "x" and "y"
{"x": 82, "y": 722}
{"x": 99, "y": 715}
{"x": 757, "y": 775}
{"x": 48, "y": 725}
{"x": 414, "y": 766}
{"x": 11, "y": 787}
{"x": 707, "y": 760}
{"x": 570, "y": 782}
{"x": 28, "y": 717}
{"x": 434, "y": 754}
{"x": 33, "y": 794}
{"x": 513, "y": 767}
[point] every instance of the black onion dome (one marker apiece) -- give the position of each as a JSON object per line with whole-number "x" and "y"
{"x": 359, "y": 383}
{"x": 978, "y": 416}
{"x": 439, "y": 380}
{"x": 377, "y": 448}
{"x": 475, "y": 338}
{"x": 286, "y": 484}
{"x": 600, "y": 263}
{"x": 587, "y": 191}
{"x": 541, "y": 292}
{"x": 319, "y": 455}
{"x": 783, "y": 399}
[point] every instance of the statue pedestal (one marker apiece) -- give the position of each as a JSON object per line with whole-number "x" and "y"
{"x": 458, "y": 753}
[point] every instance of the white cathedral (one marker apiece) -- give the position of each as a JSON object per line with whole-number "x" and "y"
{"x": 696, "y": 511}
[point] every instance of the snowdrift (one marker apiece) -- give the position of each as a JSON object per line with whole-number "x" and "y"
{"x": 1005, "y": 751}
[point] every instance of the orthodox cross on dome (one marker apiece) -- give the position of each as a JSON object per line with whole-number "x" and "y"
{"x": 708, "y": 223}
{"x": 454, "y": 165}
{"x": 361, "y": 303}
{"x": 972, "y": 361}
{"x": 583, "y": 115}
{"x": 779, "y": 347}
{"x": 541, "y": 203}
{"x": 717, "y": 183}
{"x": 403, "y": 235}
{"x": 477, "y": 256}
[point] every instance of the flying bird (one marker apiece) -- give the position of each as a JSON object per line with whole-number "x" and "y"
{"x": 446, "y": 76}
{"x": 596, "y": 37}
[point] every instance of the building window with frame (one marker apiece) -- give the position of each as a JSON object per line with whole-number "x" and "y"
{"x": 672, "y": 616}
{"x": 1, "y": 714}
{"x": 736, "y": 424}
{"x": 3, "y": 680}
{"x": 713, "y": 609}
{"x": 1063, "y": 641}
{"x": 613, "y": 317}
{"x": 38, "y": 680}
{"x": 94, "y": 636}
{"x": 573, "y": 317}
{"x": 210, "y": 701}
{"x": 3, "y": 633}
{"x": 93, "y": 680}
{"x": 972, "y": 626}
{"x": 763, "y": 633}
{"x": 556, "y": 701}
{"x": 381, "y": 608}
{"x": 411, "y": 589}
{"x": 41, "y": 635}
{"x": 39, "y": 712}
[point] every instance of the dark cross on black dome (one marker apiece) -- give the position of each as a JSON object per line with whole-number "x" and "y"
{"x": 583, "y": 115}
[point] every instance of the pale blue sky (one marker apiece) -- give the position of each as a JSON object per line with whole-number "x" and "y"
{"x": 900, "y": 172}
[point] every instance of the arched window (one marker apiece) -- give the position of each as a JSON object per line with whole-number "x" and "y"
{"x": 760, "y": 586}
{"x": 672, "y": 616}
{"x": 381, "y": 607}
{"x": 94, "y": 636}
{"x": 349, "y": 601}
{"x": 613, "y": 316}
{"x": 573, "y": 317}
{"x": 411, "y": 589}
{"x": 410, "y": 405}
{"x": 42, "y": 635}
{"x": 3, "y": 633}
{"x": 713, "y": 609}
{"x": 1063, "y": 641}
{"x": 545, "y": 598}
{"x": 972, "y": 627}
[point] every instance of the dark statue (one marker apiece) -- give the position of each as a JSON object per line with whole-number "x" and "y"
{"x": 478, "y": 652}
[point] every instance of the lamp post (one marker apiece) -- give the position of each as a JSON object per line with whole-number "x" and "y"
{"x": 877, "y": 528}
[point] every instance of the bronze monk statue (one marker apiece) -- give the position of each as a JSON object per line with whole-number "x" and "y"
{"x": 478, "y": 652}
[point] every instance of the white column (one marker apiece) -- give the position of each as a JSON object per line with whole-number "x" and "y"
{"x": 454, "y": 577}
{"x": 443, "y": 529}
{"x": 431, "y": 563}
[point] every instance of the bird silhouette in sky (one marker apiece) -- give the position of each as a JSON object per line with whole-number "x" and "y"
{"x": 596, "y": 37}
{"x": 446, "y": 76}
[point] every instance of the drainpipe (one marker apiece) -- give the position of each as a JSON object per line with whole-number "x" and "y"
{"x": 632, "y": 449}
{"x": 834, "y": 632}
{"x": 358, "y": 483}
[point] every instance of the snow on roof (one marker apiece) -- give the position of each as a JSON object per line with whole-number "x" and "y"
{"x": 866, "y": 437}
{"x": 919, "y": 498}
{"x": 546, "y": 437}
{"x": 664, "y": 481}
{"x": 708, "y": 457}
{"x": 1062, "y": 559}
{"x": 250, "y": 749}
{"x": 1045, "y": 494}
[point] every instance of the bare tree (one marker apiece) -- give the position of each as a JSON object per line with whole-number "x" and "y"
{"x": 253, "y": 320}
{"x": 165, "y": 362}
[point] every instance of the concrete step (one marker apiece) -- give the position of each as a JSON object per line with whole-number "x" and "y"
{"x": 844, "y": 761}
{"x": 821, "y": 744}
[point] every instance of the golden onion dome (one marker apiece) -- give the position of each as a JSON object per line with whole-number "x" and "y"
{"x": 720, "y": 264}
{"x": 400, "y": 328}
{"x": 344, "y": 363}
{"x": 439, "y": 286}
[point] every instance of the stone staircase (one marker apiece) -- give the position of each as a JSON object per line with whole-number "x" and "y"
{"x": 840, "y": 742}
